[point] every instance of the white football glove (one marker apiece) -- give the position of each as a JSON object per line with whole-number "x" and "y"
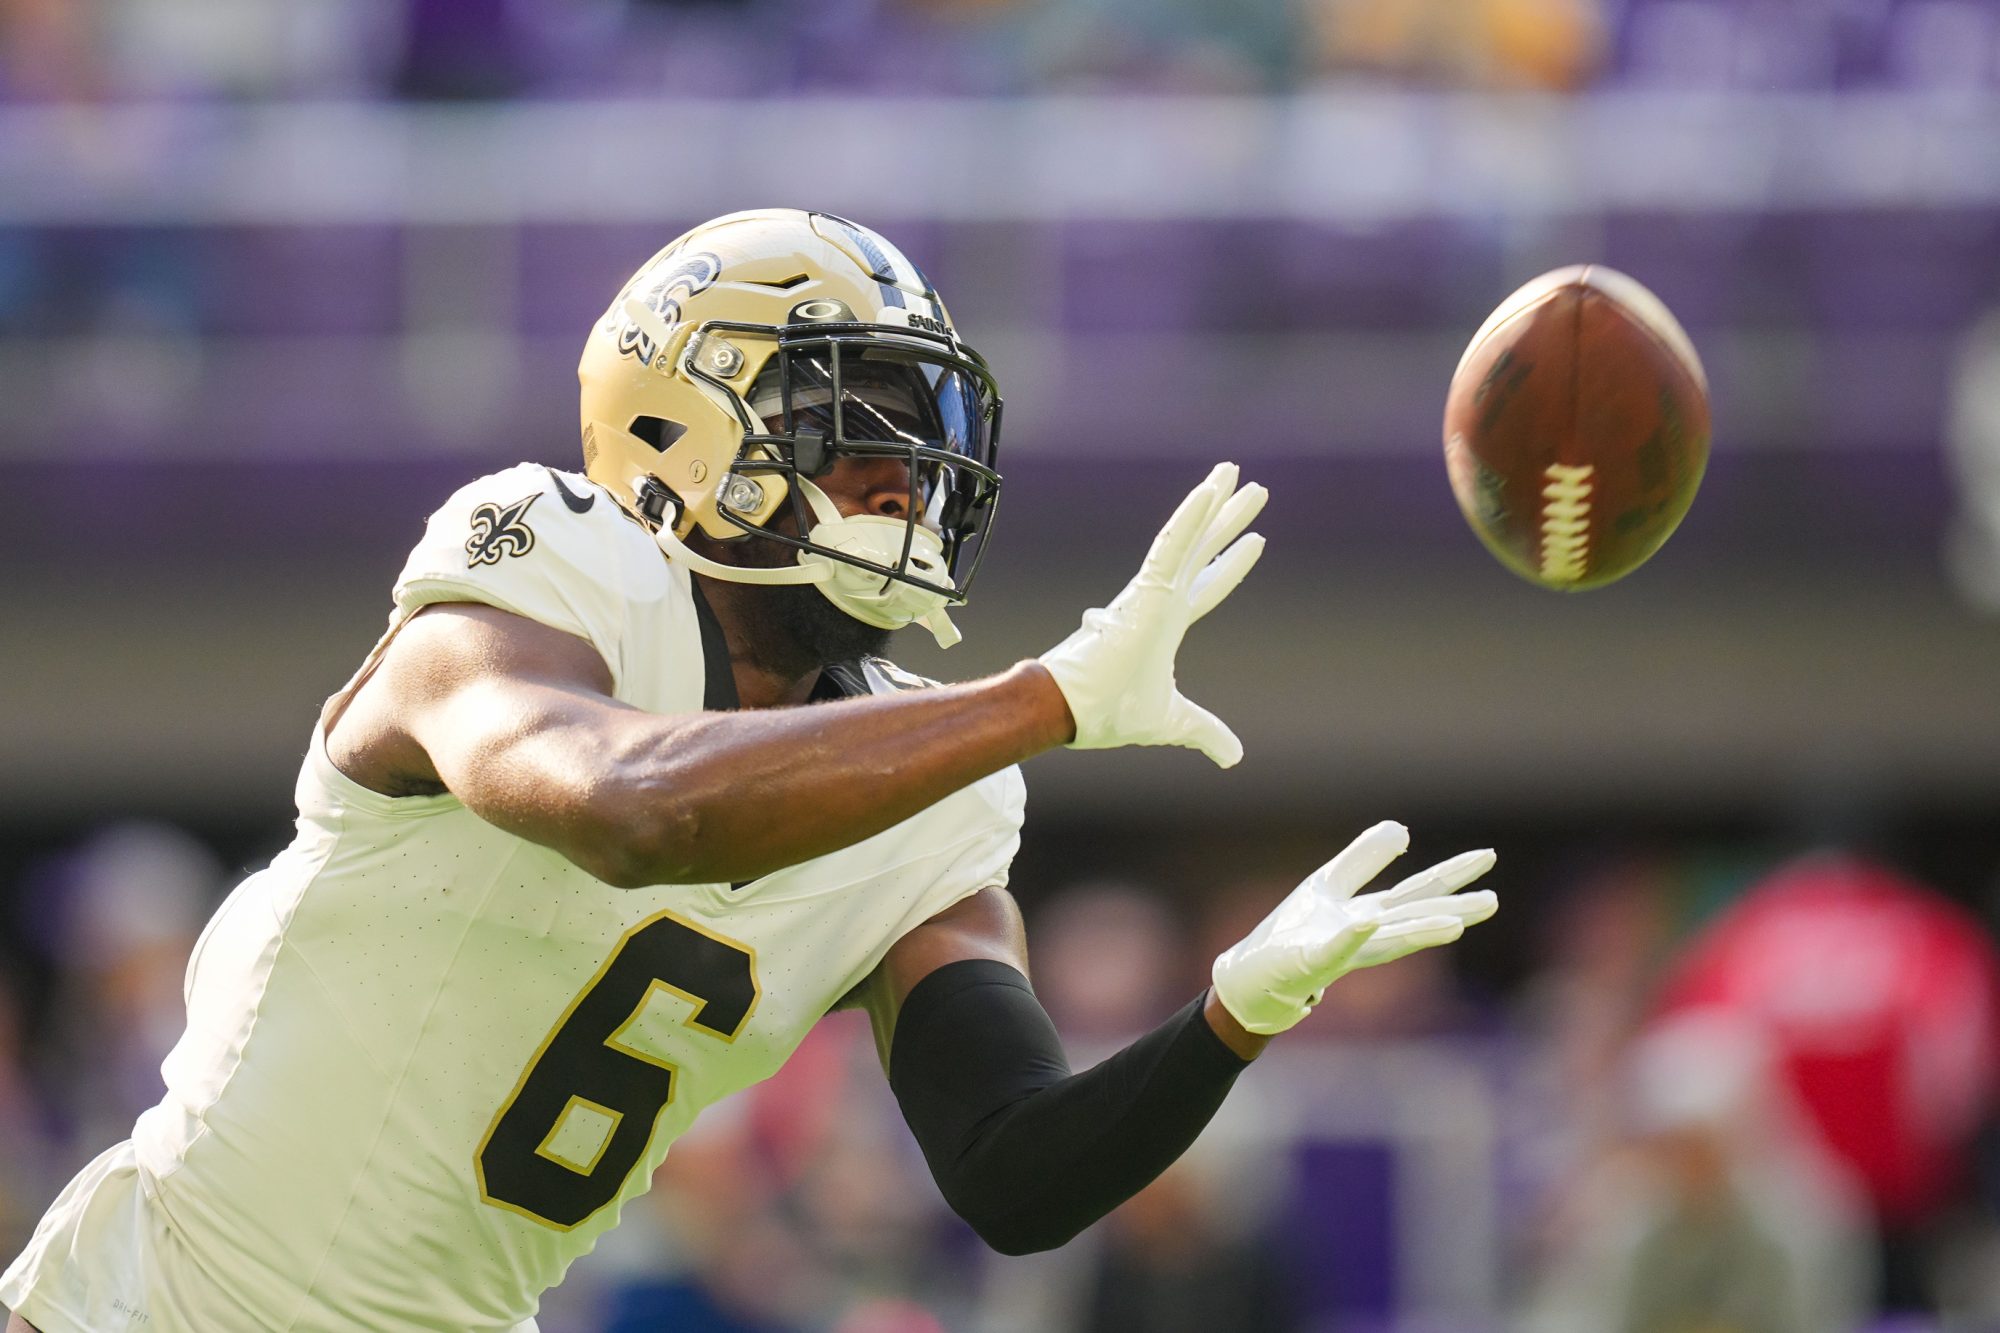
{"x": 1322, "y": 931}
{"x": 1117, "y": 672}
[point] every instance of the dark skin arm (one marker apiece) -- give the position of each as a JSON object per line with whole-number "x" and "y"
{"x": 516, "y": 720}
{"x": 986, "y": 925}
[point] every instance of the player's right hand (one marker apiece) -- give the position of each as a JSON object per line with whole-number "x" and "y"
{"x": 1273, "y": 977}
{"x": 1117, "y": 671}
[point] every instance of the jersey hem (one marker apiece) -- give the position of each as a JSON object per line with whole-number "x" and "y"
{"x": 45, "y": 1318}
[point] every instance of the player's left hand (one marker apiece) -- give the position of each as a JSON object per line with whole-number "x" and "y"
{"x": 1322, "y": 931}
{"x": 1116, "y": 673}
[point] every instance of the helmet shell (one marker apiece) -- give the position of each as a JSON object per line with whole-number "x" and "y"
{"x": 646, "y": 412}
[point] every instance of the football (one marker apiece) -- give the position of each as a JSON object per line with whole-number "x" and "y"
{"x": 1576, "y": 428}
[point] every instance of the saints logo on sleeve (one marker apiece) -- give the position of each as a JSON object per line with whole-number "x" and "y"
{"x": 587, "y": 571}
{"x": 499, "y": 532}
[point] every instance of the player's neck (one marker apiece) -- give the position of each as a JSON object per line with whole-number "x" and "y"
{"x": 770, "y": 670}
{"x": 759, "y": 686}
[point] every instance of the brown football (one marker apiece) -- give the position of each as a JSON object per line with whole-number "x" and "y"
{"x": 1576, "y": 429}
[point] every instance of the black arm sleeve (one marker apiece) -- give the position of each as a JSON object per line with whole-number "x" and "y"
{"x": 1027, "y": 1152}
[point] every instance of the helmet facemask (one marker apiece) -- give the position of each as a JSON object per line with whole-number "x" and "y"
{"x": 828, "y": 392}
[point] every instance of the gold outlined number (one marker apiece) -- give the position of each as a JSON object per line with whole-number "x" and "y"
{"x": 586, "y": 1063}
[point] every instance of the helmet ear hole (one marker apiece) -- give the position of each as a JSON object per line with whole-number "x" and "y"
{"x": 657, "y": 431}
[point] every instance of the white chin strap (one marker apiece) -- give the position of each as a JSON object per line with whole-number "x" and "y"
{"x": 869, "y": 597}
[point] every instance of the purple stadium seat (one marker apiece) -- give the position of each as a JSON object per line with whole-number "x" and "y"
{"x": 1943, "y": 44}
{"x": 1901, "y": 269}
{"x": 302, "y": 280}
{"x": 1703, "y": 267}
{"x": 1421, "y": 274}
{"x": 1118, "y": 276}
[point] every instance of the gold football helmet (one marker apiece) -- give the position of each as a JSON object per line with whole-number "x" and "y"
{"x": 749, "y": 356}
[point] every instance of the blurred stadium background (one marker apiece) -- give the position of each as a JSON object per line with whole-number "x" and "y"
{"x": 277, "y": 275}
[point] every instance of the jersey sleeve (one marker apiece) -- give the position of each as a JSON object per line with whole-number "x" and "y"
{"x": 986, "y": 861}
{"x": 514, "y": 540}
{"x": 987, "y": 817}
{"x": 983, "y": 860}
{"x": 998, "y": 802}
{"x": 993, "y": 807}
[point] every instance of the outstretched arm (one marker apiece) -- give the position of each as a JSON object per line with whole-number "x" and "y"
{"x": 1030, "y": 1153}
{"x": 516, "y": 720}
{"x": 1023, "y": 1149}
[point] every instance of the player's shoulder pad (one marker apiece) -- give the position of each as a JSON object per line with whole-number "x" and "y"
{"x": 548, "y": 545}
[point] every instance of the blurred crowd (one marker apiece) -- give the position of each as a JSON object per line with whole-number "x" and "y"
{"x": 1756, "y": 1109}
{"x": 457, "y": 49}
{"x": 454, "y": 49}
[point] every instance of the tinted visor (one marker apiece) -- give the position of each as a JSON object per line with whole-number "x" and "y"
{"x": 832, "y": 396}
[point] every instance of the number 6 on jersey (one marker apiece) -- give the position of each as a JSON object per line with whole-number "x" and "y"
{"x": 580, "y": 1117}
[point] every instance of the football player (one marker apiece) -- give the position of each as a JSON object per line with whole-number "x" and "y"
{"x": 623, "y": 802}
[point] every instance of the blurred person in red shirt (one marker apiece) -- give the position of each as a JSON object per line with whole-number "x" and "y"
{"x": 1878, "y": 997}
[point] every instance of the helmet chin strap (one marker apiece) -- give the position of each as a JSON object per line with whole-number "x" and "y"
{"x": 819, "y": 571}
{"x": 867, "y": 596}
{"x": 941, "y": 628}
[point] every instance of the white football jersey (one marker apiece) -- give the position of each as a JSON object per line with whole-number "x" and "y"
{"x": 427, "y": 1062}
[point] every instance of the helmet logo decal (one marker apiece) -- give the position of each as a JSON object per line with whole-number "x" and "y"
{"x": 578, "y": 504}
{"x": 692, "y": 276}
{"x": 822, "y": 312}
{"x": 916, "y": 320}
{"x": 498, "y": 532}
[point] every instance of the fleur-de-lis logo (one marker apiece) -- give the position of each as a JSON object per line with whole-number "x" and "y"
{"x": 668, "y": 288}
{"x": 498, "y": 532}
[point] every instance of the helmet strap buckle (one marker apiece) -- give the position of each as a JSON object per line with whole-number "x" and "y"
{"x": 654, "y": 500}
